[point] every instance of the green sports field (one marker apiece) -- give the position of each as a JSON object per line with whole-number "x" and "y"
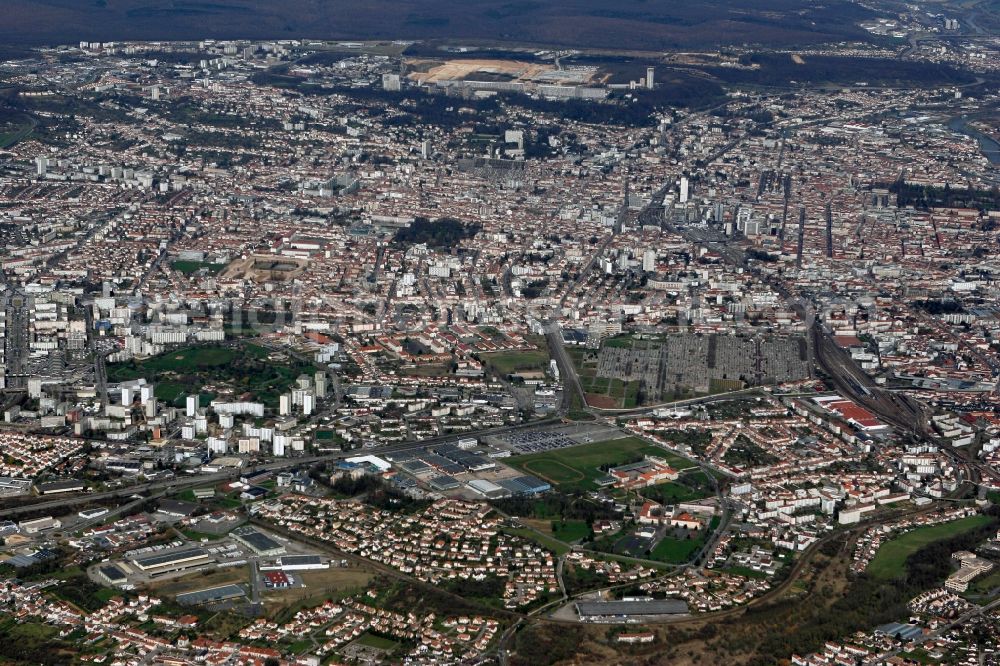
{"x": 578, "y": 467}
{"x": 509, "y": 362}
{"x": 889, "y": 561}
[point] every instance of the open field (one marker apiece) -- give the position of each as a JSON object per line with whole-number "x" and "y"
{"x": 674, "y": 550}
{"x": 189, "y": 267}
{"x": 578, "y": 467}
{"x": 890, "y": 559}
{"x": 187, "y": 359}
{"x": 505, "y": 363}
{"x": 563, "y": 530}
{"x": 688, "y": 487}
{"x": 543, "y": 540}
{"x": 199, "y": 580}
{"x": 320, "y": 585}
{"x": 377, "y": 642}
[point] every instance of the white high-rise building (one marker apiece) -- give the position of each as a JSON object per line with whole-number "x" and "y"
{"x": 684, "y": 190}
{"x": 192, "y": 406}
{"x": 649, "y": 261}
{"x": 650, "y": 73}
{"x": 308, "y": 403}
{"x": 390, "y": 82}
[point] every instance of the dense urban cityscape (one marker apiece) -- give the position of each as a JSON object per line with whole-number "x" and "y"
{"x": 440, "y": 351}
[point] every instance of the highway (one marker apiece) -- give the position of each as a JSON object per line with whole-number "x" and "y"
{"x": 177, "y": 484}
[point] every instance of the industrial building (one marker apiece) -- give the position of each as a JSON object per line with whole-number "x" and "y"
{"x": 112, "y": 574}
{"x": 39, "y": 524}
{"x": 296, "y": 563}
{"x": 609, "y": 611}
{"x": 13, "y": 486}
{"x": 178, "y": 560}
{"x": 258, "y": 542}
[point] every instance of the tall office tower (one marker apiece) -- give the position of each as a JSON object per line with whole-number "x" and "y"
{"x": 191, "y": 406}
{"x": 684, "y": 191}
{"x": 41, "y": 165}
{"x": 650, "y": 73}
{"x": 425, "y": 149}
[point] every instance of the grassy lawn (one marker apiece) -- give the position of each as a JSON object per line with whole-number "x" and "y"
{"x": 675, "y": 491}
{"x": 189, "y": 267}
{"x": 300, "y": 646}
{"x": 13, "y": 131}
{"x": 619, "y": 342}
{"x": 571, "y": 530}
{"x": 724, "y": 385}
{"x": 631, "y": 397}
{"x": 577, "y": 467}
{"x": 985, "y": 584}
{"x": 186, "y": 370}
{"x": 378, "y": 642}
{"x": 677, "y": 549}
{"x": 891, "y": 557}
{"x": 187, "y": 359}
{"x": 555, "y": 471}
{"x": 169, "y": 391}
{"x": 319, "y": 586}
{"x": 505, "y": 363}
{"x": 674, "y": 550}
{"x": 552, "y": 544}
{"x": 746, "y": 572}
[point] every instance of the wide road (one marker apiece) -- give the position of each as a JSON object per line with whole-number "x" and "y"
{"x": 177, "y": 484}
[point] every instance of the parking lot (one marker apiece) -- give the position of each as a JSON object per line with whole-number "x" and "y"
{"x": 548, "y": 439}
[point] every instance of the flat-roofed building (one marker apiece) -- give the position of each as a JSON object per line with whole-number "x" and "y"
{"x": 177, "y": 560}
{"x": 10, "y": 485}
{"x": 260, "y": 543}
{"x": 39, "y": 525}
{"x": 297, "y": 563}
{"x": 56, "y": 487}
{"x": 616, "y": 610}
{"x": 112, "y": 574}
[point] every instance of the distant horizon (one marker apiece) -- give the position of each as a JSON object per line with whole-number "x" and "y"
{"x": 632, "y": 24}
